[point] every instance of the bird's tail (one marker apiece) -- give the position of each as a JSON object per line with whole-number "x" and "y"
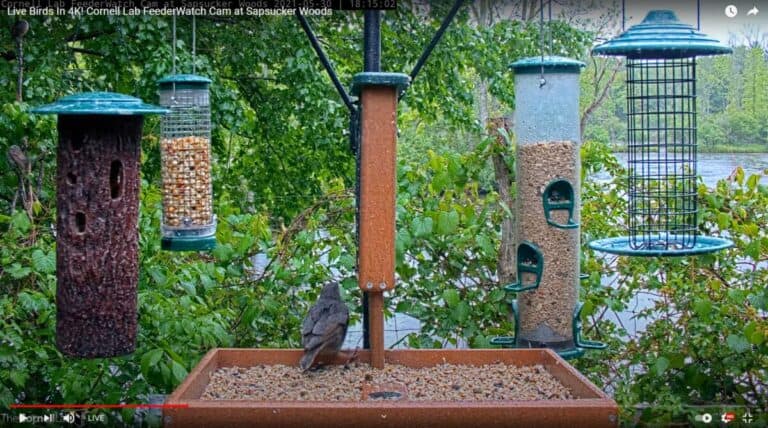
{"x": 308, "y": 358}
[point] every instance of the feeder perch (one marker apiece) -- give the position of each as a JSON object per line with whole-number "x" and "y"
{"x": 97, "y": 239}
{"x": 580, "y": 344}
{"x": 559, "y": 196}
{"x": 530, "y": 265}
{"x": 661, "y": 128}
{"x": 189, "y": 223}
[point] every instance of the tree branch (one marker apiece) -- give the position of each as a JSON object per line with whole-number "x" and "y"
{"x": 87, "y": 51}
{"x": 599, "y": 99}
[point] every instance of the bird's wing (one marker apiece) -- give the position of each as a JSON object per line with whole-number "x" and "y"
{"x": 333, "y": 317}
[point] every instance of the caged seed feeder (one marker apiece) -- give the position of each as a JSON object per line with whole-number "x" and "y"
{"x": 189, "y": 223}
{"x": 97, "y": 237}
{"x": 661, "y": 134}
{"x": 548, "y": 199}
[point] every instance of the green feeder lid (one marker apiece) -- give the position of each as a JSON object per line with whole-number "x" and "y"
{"x": 196, "y": 243}
{"x": 106, "y": 103}
{"x": 184, "y": 81}
{"x": 399, "y": 81}
{"x": 661, "y": 35}
{"x": 551, "y": 64}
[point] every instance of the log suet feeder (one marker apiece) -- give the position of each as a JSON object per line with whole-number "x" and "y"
{"x": 97, "y": 239}
{"x": 661, "y": 137}
{"x": 189, "y": 223}
{"x": 548, "y": 175}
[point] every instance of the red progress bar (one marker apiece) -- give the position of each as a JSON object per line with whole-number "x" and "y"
{"x": 99, "y": 406}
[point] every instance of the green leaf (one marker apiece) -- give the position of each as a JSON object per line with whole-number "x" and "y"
{"x": 753, "y": 334}
{"x": 179, "y": 372}
{"x": 702, "y": 307}
{"x": 739, "y": 175}
{"x": 752, "y": 181}
{"x": 661, "y": 365}
{"x": 422, "y": 226}
{"x": 149, "y": 360}
{"x": 461, "y": 312}
{"x": 447, "y": 222}
{"x": 723, "y": 220}
{"x": 18, "y": 377}
{"x": 17, "y": 271}
{"x": 737, "y": 342}
{"x": 451, "y": 297}
{"x": 42, "y": 262}
{"x": 21, "y": 222}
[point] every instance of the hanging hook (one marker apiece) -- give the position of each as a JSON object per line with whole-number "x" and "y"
{"x": 173, "y": 54}
{"x": 623, "y": 14}
{"x": 194, "y": 41}
{"x": 542, "y": 80}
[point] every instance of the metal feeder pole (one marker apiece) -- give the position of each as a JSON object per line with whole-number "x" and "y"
{"x": 97, "y": 237}
{"x": 373, "y": 135}
{"x": 372, "y": 63}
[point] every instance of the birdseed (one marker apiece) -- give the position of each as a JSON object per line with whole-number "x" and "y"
{"x": 546, "y": 313}
{"x": 186, "y": 182}
{"x": 445, "y": 382}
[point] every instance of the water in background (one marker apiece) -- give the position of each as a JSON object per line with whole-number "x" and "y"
{"x": 714, "y": 166}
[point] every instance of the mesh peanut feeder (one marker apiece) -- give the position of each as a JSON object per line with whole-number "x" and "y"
{"x": 661, "y": 137}
{"x": 189, "y": 223}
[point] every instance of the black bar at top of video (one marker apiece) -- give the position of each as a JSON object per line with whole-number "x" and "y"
{"x": 206, "y": 4}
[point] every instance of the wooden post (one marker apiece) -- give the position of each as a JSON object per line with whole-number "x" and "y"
{"x": 378, "y": 175}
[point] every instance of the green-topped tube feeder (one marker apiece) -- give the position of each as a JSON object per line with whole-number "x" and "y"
{"x": 548, "y": 175}
{"x": 97, "y": 210}
{"x": 661, "y": 137}
{"x": 189, "y": 223}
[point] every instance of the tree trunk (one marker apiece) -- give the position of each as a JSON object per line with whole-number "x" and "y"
{"x": 504, "y": 178}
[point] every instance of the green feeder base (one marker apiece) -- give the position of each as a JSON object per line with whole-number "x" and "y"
{"x": 621, "y": 246}
{"x": 578, "y": 350}
{"x": 197, "y": 243}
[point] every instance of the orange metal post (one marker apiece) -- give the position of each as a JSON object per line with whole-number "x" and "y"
{"x": 377, "y": 206}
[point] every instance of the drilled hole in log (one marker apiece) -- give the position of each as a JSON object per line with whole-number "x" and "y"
{"x": 116, "y": 179}
{"x": 80, "y": 222}
{"x": 77, "y": 143}
{"x": 71, "y": 178}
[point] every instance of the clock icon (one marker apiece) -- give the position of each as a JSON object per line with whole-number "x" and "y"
{"x": 731, "y": 11}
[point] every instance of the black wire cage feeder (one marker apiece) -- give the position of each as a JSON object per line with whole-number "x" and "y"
{"x": 661, "y": 137}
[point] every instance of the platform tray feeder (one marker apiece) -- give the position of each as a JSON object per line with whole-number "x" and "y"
{"x": 661, "y": 138}
{"x": 588, "y": 407}
{"x": 97, "y": 210}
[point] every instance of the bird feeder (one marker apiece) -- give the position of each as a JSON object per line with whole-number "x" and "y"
{"x": 378, "y": 93}
{"x": 661, "y": 137}
{"x": 548, "y": 174}
{"x": 97, "y": 209}
{"x": 189, "y": 223}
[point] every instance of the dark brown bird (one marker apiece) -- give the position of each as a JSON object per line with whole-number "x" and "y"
{"x": 325, "y": 326}
{"x": 19, "y": 29}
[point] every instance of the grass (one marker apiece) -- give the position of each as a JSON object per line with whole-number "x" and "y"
{"x": 727, "y": 148}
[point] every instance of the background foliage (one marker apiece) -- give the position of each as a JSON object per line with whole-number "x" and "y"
{"x": 284, "y": 184}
